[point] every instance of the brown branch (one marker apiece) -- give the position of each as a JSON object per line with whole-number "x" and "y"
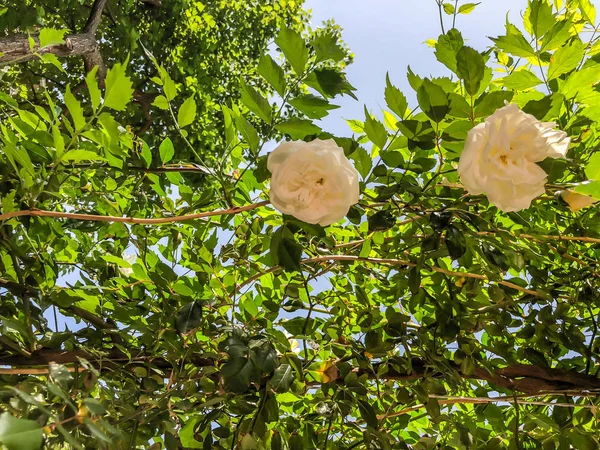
{"x": 525, "y": 378}
{"x": 96, "y": 15}
{"x": 448, "y": 400}
{"x": 15, "y": 49}
{"x": 109, "y": 359}
{"x": 133, "y": 220}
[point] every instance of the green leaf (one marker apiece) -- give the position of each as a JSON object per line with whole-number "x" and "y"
{"x": 381, "y": 221}
{"x": 237, "y": 373}
{"x": 81, "y": 155}
{"x": 92, "y": 84}
{"x": 520, "y": 80}
{"x": 290, "y": 253}
{"x": 433, "y": 101}
{"x": 51, "y": 36}
{"x": 312, "y": 106}
{"x": 187, "y": 112}
{"x": 394, "y": 98}
{"x": 557, "y": 36}
{"x": 294, "y": 48}
{"x": 588, "y": 11}
{"x": 189, "y": 317}
{"x": 515, "y": 44}
{"x": 592, "y": 169}
{"x": 470, "y": 68}
{"x": 455, "y": 242}
{"x": 166, "y": 150}
{"x": 170, "y": 88}
{"x": 449, "y": 8}
{"x": 51, "y": 58}
{"x": 467, "y": 8}
{"x": 97, "y": 431}
{"x": 255, "y": 102}
{"x": 447, "y": 47}
{"x": 580, "y": 83}
{"x": 146, "y": 154}
{"x": 75, "y": 109}
{"x": 329, "y": 83}
{"x": 272, "y": 72}
{"x": 282, "y": 378}
{"x": 375, "y": 130}
{"x": 363, "y": 161}
{"x": 566, "y": 59}
{"x": 247, "y": 131}
{"x": 368, "y": 414}
{"x": 119, "y": 88}
{"x": 298, "y": 128}
{"x": 538, "y": 17}
{"x": 592, "y": 189}
{"x": 161, "y": 102}
{"x": 327, "y": 48}
{"x": 20, "y": 434}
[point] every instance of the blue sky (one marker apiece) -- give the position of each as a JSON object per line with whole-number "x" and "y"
{"x": 389, "y": 35}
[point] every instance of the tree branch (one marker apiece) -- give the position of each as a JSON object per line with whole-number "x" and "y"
{"x": 94, "y": 20}
{"x": 525, "y": 378}
{"x": 133, "y": 220}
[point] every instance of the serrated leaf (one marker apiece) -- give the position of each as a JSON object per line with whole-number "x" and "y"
{"x": 166, "y": 150}
{"x": 187, "y": 112}
{"x": 93, "y": 89}
{"x": 119, "y": 88}
{"x": 161, "y": 102}
{"x": 566, "y": 59}
{"x": 520, "y": 80}
{"x": 255, "y": 102}
{"x": 312, "y": 106}
{"x": 294, "y": 48}
{"x": 272, "y": 72}
{"x": 557, "y": 36}
{"x": 375, "y": 130}
{"x": 515, "y": 44}
{"x": 329, "y": 83}
{"x": 327, "y": 48}
{"x": 394, "y": 98}
{"x": 538, "y": 17}
{"x": 298, "y": 128}
{"x": 470, "y": 68}
{"x": 51, "y": 36}
{"x": 75, "y": 109}
{"x": 146, "y": 154}
{"x": 447, "y": 47}
{"x": 433, "y": 101}
{"x": 247, "y": 131}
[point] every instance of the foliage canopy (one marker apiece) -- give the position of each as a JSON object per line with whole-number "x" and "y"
{"x": 151, "y": 298}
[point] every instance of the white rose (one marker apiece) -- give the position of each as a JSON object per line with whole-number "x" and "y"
{"x": 312, "y": 181}
{"x": 127, "y": 271}
{"x": 500, "y": 155}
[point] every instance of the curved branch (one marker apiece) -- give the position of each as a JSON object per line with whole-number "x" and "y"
{"x": 132, "y": 220}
